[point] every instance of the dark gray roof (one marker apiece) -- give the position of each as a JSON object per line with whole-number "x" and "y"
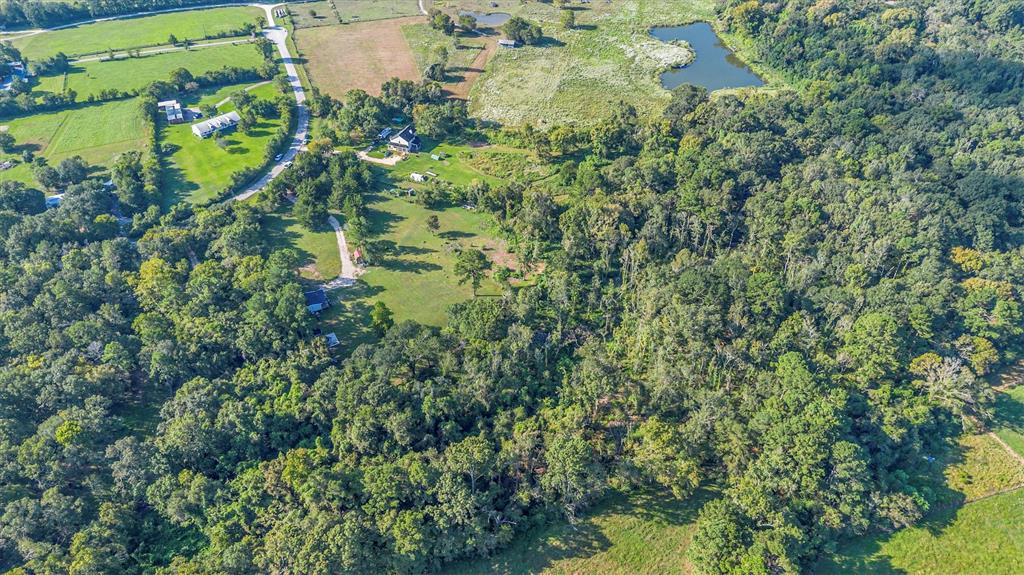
{"x": 316, "y": 297}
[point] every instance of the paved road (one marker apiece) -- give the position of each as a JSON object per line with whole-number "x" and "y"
{"x": 279, "y": 35}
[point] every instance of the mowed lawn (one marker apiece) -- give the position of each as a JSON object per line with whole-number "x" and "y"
{"x": 90, "y": 78}
{"x": 135, "y": 32}
{"x": 198, "y": 169}
{"x": 317, "y": 248}
{"x": 416, "y": 277}
{"x": 97, "y": 132}
{"x": 636, "y": 534}
{"x": 363, "y": 55}
{"x": 1010, "y": 409}
{"x": 579, "y": 75}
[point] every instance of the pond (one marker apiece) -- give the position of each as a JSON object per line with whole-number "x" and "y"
{"x": 714, "y": 66}
{"x": 487, "y": 19}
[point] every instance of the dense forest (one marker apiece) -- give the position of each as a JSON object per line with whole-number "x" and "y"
{"x": 792, "y": 296}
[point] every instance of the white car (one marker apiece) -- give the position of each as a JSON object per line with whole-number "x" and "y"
{"x": 288, "y": 164}
{"x": 278, "y": 157}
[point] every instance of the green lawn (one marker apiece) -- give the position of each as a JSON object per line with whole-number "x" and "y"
{"x": 1010, "y": 413}
{"x": 318, "y": 249}
{"x": 197, "y": 169}
{"x": 611, "y": 49}
{"x": 90, "y": 78}
{"x": 984, "y": 537}
{"x": 638, "y": 534}
{"x": 97, "y": 132}
{"x": 135, "y": 32}
{"x": 416, "y": 278}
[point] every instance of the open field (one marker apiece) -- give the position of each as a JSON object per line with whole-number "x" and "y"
{"x": 637, "y": 534}
{"x": 983, "y": 536}
{"x": 197, "y": 170}
{"x": 362, "y": 10}
{"x": 555, "y": 82}
{"x": 136, "y": 32}
{"x": 318, "y": 249}
{"x": 90, "y": 78}
{"x": 313, "y": 14}
{"x": 1010, "y": 407}
{"x": 97, "y": 132}
{"x": 364, "y": 56}
{"x": 467, "y": 54}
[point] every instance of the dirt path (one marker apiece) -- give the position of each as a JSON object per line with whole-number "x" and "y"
{"x": 389, "y": 161}
{"x": 349, "y": 271}
{"x": 461, "y": 90}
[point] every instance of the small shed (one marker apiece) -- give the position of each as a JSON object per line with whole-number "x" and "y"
{"x": 507, "y": 43}
{"x": 417, "y": 177}
{"x": 316, "y": 300}
{"x": 332, "y": 340}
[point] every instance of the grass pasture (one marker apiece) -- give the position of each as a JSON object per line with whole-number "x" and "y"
{"x": 198, "y": 169}
{"x": 363, "y": 55}
{"x": 555, "y": 82}
{"x": 318, "y": 249}
{"x": 636, "y": 534}
{"x": 97, "y": 132}
{"x": 467, "y": 54}
{"x": 90, "y": 78}
{"x": 136, "y": 32}
{"x": 313, "y": 14}
{"x": 364, "y": 10}
{"x": 982, "y": 536}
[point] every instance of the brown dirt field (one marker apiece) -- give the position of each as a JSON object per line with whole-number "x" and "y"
{"x": 364, "y": 55}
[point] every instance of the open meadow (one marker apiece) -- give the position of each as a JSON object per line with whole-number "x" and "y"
{"x": 578, "y": 75}
{"x": 330, "y": 12}
{"x": 467, "y": 54}
{"x": 97, "y": 132}
{"x": 364, "y": 55}
{"x": 91, "y": 78}
{"x": 136, "y": 32}
{"x": 643, "y": 533}
{"x": 197, "y": 170}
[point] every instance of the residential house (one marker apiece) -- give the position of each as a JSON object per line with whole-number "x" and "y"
{"x": 316, "y": 301}
{"x": 220, "y": 123}
{"x": 405, "y": 140}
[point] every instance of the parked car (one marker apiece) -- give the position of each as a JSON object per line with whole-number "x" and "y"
{"x": 278, "y": 157}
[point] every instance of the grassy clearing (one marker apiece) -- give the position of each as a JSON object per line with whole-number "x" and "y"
{"x": 363, "y": 56}
{"x": 554, "y": 83}
{"x": 363, "y": 10}
{"x": 313, "y": 14}
{"x": 318, "y": 249}
{"x": 416, "y": 278}
{"x": 135, "y": 32}
{"x": 1010, "y": 411}
{"x": 637, "y": 534}
{"x": 982, "y": 537}
{"x": 90, "y": 78}
{"x": 465, "y": 52}
{"x": 197, "y": 170}
{"x": 97, "y": 132}
{"x": 982, "y": 467}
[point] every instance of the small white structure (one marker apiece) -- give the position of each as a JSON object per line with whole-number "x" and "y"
{"x": 172, "y": 108}
{"x": 506, "y": 43}
{"x": 417, "y": 177}
{"x": 332, "y": 340}
{"x": 220, "y": 123}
